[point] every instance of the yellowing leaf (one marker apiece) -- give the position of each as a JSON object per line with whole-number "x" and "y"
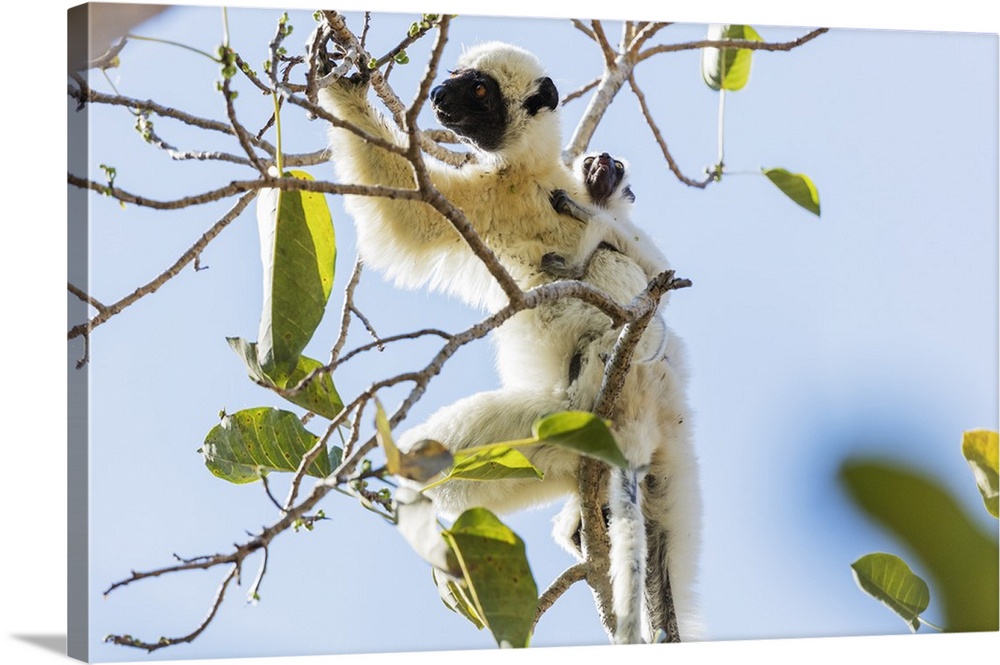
{"x": 980, "y": 448}
{"x": 298, "y": 252}
{"x": 796, "y": 186}
{"x": 728, "y": 68}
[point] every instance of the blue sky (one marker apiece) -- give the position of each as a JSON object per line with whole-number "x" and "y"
{"x": 871, "y": 330}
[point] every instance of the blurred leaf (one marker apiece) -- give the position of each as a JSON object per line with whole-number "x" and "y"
{"x": 960, "y": 559}
{"x": 298, "y": 251}
{"x": 320, "y": 396}
{"x": 582, "y": 432}
{"x": 796, "y": 186}
{"x": 887, "y": 579}
{"x": 980, "y": 448}
{"x": 336, "y": 456}
{"x": 455, "y": 597}
{"x": 728, "y": 68}
{"x": 416, "y": 519}
{"x": 497, "y": 575}
{"x": 493, "y": 463}
{"x": 251, "y": 442}
{"x": 426, "y": 459}
{"x": 383, "y": 433}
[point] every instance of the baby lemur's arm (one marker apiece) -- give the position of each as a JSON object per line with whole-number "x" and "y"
{"x": 607, "y": 188}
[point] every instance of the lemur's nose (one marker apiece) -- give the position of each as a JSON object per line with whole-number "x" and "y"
{"x": 437, "y": 94}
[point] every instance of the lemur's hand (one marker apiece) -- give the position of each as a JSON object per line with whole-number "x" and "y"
{"x": 560, "y": 201}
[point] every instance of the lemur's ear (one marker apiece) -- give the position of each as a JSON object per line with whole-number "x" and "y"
{"x": 545, "y": 97}
{"x": 628, "y": 195}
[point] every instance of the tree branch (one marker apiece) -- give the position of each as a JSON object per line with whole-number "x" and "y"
{"x": 129, "y": 641}
{"x": 579, "y": 25}
{"x": 602, "y": 39}
{"x": 732, "y": 44}
{"x": 575, "y": 573}
{"x": 580, "y": 92}
{"x": 151, "y": 287}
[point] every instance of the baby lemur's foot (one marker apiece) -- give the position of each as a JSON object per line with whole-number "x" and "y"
{"x": 555, "y": 265}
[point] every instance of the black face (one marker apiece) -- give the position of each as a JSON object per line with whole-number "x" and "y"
{"x": 602, "y": 174}
{"x": 470, "y": 104}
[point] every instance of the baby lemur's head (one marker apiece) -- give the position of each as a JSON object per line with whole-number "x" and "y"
{"x": 606, "y": 179}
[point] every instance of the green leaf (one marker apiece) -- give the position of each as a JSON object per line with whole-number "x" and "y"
{"x": 298, "y": 251}
{"x": 796, "y": 186}
{"x": 957, "y": 554}
{"x": 319, "y": 396}
{"x": 249, "y": 443}
{"x": 493, "y": 463}
{"x": 887, "y": 579}
{"x": 496, "y": 573}
{"x": 582, "y": 432}
{"x": 980, "y": 448}
{"x": 728, "y": 68}
{"x": 336, "y": 456}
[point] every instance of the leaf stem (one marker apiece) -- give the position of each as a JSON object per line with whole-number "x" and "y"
{"x": 721, "y": 133}
{"x": 929, "y": 624}
{"x": 178, "y": 44}
{"x": 279, "y": 159}
{"x": 225, "y": 27}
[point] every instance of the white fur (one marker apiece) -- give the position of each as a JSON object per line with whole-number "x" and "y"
{"x": 505, "y": 196}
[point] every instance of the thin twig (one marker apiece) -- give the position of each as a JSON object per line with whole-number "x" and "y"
{"x": 267, "y": 490}
{"x": 380, "y": 344}
{"x": 151, "y": 287}
{"x": 732, "y": 44}
{"x": 244, "y": 137}
{"x": 253, "y": 594}
{"x": 369, "y": 327}
{"x": 581, "y": 91}
{"x": 85, "y": 94}
{"x": 579, "y": 25}
{"x": 644, "y": 34}
{"x": 245, "y": 186}
{"x": 128, "y": 640}
{"x": 701, "y": 184}
{"x": 345, "y": 312}
{"x": 90, "y": 300}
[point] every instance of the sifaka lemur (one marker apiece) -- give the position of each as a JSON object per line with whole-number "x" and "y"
{"x": 500, "y": 102}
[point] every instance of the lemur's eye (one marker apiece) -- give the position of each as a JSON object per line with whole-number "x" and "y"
{"x": 479, "y": 91}
{"x": 619, "y": 167}
{"x": 587, "y": 162}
